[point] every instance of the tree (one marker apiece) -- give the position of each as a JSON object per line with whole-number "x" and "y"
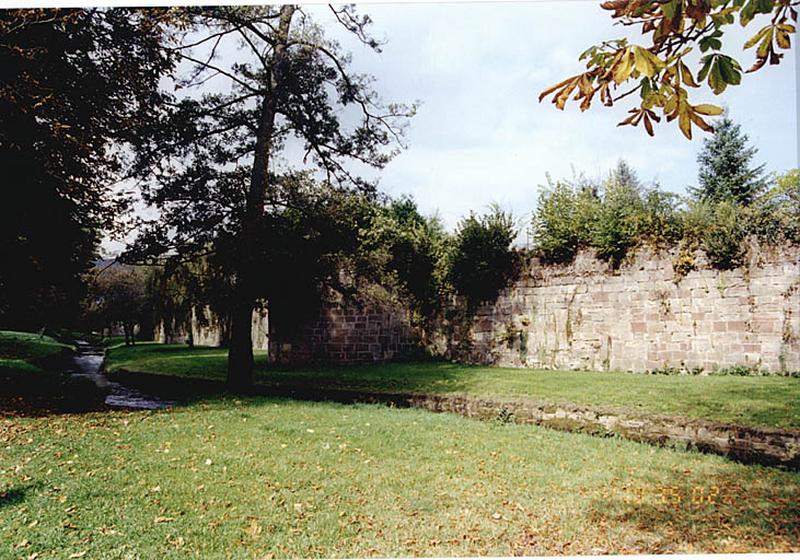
{"x": 215, "y": 169}
{"x": 182, "y": 286}
{"x": 617, "y": 224}
{"x": 66, "y": 118}
{"x": 613, "y": 218}
{"x": 482, "y": 261}
{"x": 725, "y": 171}
{"x": 118, "y": 296}
{"x": 659, "y": 71}
{"x": 564, "y": 220}
{"x": 411, "y": 248}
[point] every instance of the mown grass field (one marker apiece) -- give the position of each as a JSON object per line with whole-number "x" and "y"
{"x": 255, "y": 477}
{"x": 753, "y": 401}
{"x": 24, "y": 351}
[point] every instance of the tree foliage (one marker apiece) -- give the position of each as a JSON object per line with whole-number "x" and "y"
{"x": 66, "y": 119}
{"x": 661, "y": 71}
{"x": 482, "y": 259}
{"x": 412, "y": 249}
{"x": 214, "y": 170}
{"x": 612, "y": 218}
{"x": 118, "y": 296}
{"x": 621, "y": 214}
{"x": 562, "y": 222}
{"x": 725, "y": 169}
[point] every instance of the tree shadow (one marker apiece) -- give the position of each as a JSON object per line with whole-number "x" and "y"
{"x": 16, "y": 495}
{"x": 737, "y": 510}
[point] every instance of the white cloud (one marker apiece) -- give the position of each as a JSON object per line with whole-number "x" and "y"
{"x": 482, "y": 136}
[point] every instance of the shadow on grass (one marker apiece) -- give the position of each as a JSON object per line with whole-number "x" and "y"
{"x": 409, "y": 377}
{"x": 707, "y": 513}
{"x": 16, "y": 495}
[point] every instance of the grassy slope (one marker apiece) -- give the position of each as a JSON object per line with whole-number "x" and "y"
{"x": 759, "y": 401}
{"x": 249, "y": 477}
{"x": 23, "y": 351}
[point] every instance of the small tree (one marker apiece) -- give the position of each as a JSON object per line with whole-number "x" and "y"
{"x": 723, "y": 237}
{"x": 617, "y": 226}
{"x": 411, "y": 248}
{"x": 725, "y": 171}
{"x": 776, "y": 214}
{"x": 482, "y": 261}
{"x": 564, "y": 221}
{"x": 118, "y": 296}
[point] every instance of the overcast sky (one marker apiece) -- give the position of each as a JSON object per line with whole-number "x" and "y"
{"x": 481, "y": 135}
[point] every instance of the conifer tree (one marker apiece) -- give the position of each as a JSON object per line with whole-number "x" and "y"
{"x": 725, "y": 166}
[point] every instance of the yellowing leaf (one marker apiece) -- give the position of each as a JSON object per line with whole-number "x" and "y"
{"x": 757, "y": 37}
{"x": 623, "y": 68}
{"x": 687, "y": 77}
{"x": 685, "y": 124}
{"x": 646, "y": 62}
{"x": 708, "y": 109}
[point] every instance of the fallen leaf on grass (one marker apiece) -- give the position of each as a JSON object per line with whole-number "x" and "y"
{"x": 254, "y": 529}
{"x": 160, "y": 519}
{"x": 22, "y": 544}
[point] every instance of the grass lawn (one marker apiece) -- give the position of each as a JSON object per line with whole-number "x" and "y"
{"x": 253, "y": 477}
{"x": 112, "y": 341}
{"x": 754, "y": 401}
{"x": 24, "y": 351}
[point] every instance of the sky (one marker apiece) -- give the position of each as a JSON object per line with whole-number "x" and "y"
{"x": 481, "y": 136}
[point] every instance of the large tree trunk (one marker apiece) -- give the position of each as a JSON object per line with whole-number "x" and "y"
{"x": 240, "y": 355}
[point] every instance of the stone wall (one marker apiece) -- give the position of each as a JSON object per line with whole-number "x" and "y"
{"x": 209, "y": 329}
{"x": 347, "y": 333}
{"x": 641, "y": 317}
{"x": 578, "y": 316}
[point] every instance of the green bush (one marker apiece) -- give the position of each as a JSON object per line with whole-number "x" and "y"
{"x": 776, "y": 215}
{"x": 563, "y": 221}
{"x": 625, "y": 216}
{"x": 482, "y": 261}
{"x": 619, "y": 221}
{"x": 724, "y": 235}
{"x": 409, "y": 250}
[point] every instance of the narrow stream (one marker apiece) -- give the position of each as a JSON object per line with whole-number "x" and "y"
{"x": 88, "y": 363}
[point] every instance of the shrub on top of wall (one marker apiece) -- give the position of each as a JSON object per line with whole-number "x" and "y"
{"x": 563, "y": 220}
{"x": 724, "y": 235}
{"x": 626, "y": 215}
{"x": 613, "y": 218}
{"x": 482, "y": 261}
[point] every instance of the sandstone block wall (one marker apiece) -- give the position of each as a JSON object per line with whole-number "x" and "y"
{"x": 640, "y": 317}
{"x": 347, "y": 334}
{"x": 209, "y": 329}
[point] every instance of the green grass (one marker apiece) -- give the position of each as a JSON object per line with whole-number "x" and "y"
{"x": 754, "y": 401}
{"x": 252, "y": 477}
{"x": 24, "y": 353}
{"x": 112, "y": 341}
{"x": 28, "y": 347}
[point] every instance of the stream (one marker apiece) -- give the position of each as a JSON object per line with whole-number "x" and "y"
{"x": 88, "y": 363}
